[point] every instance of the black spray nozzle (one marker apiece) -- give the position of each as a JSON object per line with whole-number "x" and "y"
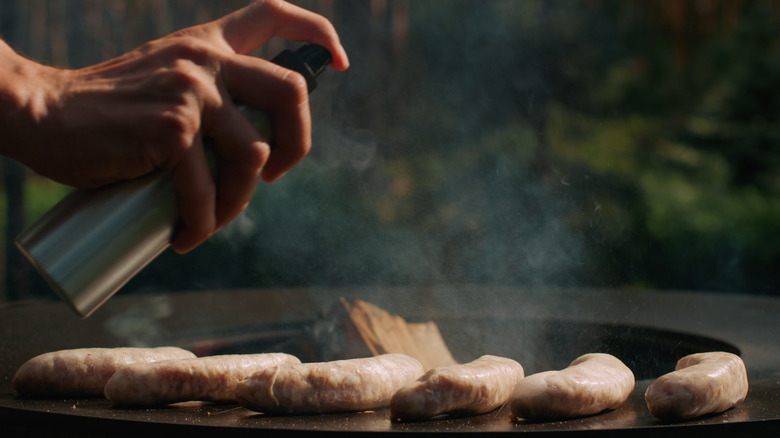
{"x": 309, "y": 60}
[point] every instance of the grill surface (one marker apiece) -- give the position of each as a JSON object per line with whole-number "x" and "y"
{"x": 758, "y": 416}
{"x": 647, "y": 330}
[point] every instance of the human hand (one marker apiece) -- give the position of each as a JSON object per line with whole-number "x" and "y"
{"x": 151, "y": 108}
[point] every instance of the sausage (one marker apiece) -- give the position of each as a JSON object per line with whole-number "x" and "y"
{"x": 348, "y": 385}
{"x": 210, "y": 378}
{"x": 591, "y": 384}
{"x": 473, "y": 388}
{"x": 702, "y": 383}
{"x": 82, "y": 372}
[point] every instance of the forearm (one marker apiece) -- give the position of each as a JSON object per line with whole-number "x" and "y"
{"x": 25, "y": 90}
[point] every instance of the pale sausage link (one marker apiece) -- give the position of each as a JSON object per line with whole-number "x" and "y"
{"x": 465, "y": 389}
{"x": 591, "y": 384}
{"x": 210, "y": 378}
{"x": 82, "y": 372}
{"x": 702, "y": 383}
{"x": 320, "y": 387}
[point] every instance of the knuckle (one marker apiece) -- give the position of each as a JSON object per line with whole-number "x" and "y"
{"x": 190, "y": 65}
{"x": 182, "y": 118}
{"x": 193, "y": 49}
{"x": 177, "y": 128}
{"x": 323, "y": 25}
{"x": 273, "y": 6}
{"x": 294, "y": 87}
{"x": 256, "y": 156}
{"x": 182, "y": 78}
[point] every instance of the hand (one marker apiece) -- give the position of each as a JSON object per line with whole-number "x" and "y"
{"x": 152, "y": 107}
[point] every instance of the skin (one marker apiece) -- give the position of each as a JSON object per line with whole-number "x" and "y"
{"x": 83, "y": 372}
{"x": 701, "y": 384}
{"x": 472, "y": 388}
{"x": 210, "y": 378}
{"x": 591, "y": 384}
{"x": 349, "y": 385}
{"x": 81, "y": 127}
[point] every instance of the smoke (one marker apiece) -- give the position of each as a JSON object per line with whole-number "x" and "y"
{"x": 428, "y": 167}
{"x": 344, "y": 150}
{"x": 140, "y": 324}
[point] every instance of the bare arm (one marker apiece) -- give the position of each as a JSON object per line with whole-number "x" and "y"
{"x": 151, "y": 108}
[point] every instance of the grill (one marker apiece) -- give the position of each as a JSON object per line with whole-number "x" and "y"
{"x": 542, "y": 329}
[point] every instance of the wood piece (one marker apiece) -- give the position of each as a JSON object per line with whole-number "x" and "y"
{"x": 356, "y": 328}
{"x": 383, "y": 333}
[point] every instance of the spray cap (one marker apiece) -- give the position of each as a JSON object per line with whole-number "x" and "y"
{"x": 309, "y": 60}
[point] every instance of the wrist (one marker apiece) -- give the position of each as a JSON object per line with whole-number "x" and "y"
{"x": 26, "y": 90}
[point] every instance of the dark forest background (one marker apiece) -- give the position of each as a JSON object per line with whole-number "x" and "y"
{"x": 594, "y": 143}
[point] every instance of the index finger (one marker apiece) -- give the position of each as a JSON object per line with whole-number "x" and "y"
{"x": 249, "y": 28}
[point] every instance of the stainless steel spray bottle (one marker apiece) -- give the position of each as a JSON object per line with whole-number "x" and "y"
{"x": 94, "y": 241}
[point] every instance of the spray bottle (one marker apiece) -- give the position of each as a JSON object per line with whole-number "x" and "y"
{"x": 94, "y": 241}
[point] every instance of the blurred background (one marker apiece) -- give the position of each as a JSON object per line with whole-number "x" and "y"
{"x": 589, "y": 144}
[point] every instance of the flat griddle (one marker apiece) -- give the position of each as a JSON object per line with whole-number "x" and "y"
{"x": 758, "y": 416}
{"x": 648, "y": 330}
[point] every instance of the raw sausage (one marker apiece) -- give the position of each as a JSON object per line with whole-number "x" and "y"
{"x": 473, "y": 388}
{"x": 82, "y": 372}
{"x": 210, "y": 378}
{"x": 591, "y": 384}
{"x": 320, "y": 387}
{"x": 702, "y": 383}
